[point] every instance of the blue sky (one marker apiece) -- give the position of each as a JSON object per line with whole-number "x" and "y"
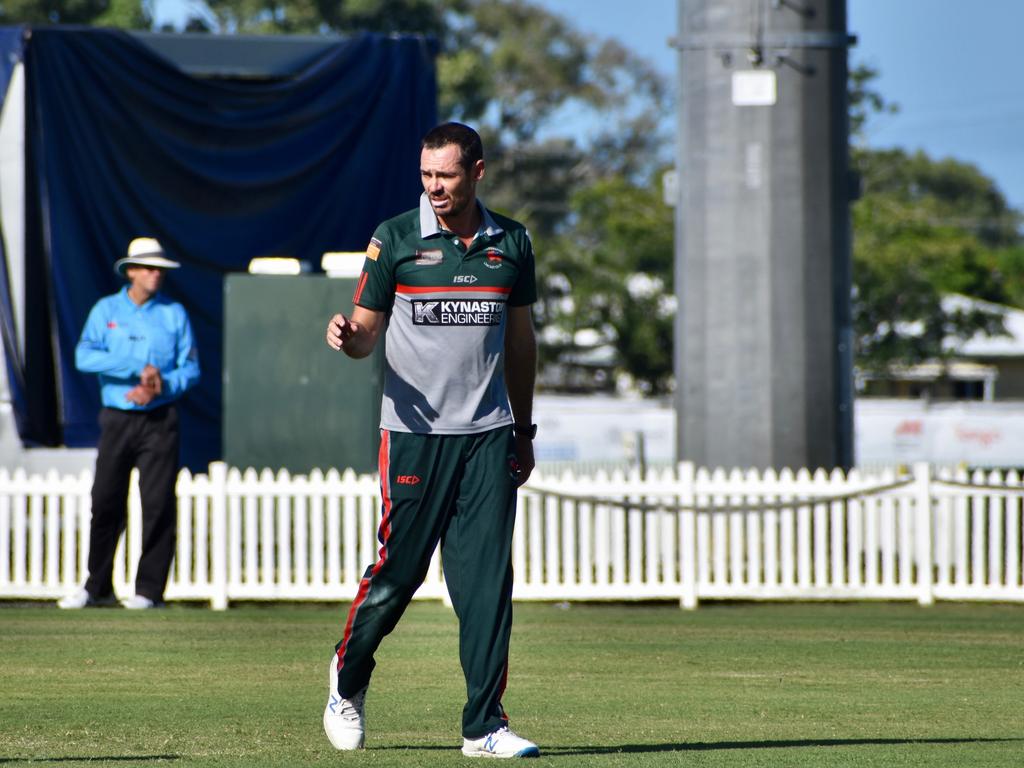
{"x": 953, "y": 67}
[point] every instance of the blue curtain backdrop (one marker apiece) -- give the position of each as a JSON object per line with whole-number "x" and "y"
{"x": 122, "y": 143}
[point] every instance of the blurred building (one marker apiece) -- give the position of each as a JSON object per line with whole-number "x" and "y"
{"x": 987, "y": 368}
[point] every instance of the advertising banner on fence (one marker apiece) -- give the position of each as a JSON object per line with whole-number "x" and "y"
{"x": 613, "y": 430}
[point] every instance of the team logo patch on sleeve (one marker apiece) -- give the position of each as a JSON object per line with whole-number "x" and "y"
{"x": 373, "y": 249}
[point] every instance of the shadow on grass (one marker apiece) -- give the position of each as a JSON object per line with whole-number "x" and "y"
{"x": 711, "y": 746}
{"x": 780, "y": 744}
{"x": 91, "y": 759}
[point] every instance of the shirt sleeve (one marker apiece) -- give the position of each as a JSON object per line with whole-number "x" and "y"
{"x": 376, "y": 287}
{"x": 92, "y": 354}
{"x": 185, "y": 374}
{"x": 524, "y": 291}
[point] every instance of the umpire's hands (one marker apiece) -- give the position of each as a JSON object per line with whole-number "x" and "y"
{"x": 151, "y": 379}
{"x": 150, "y": 385}
{"x": 140, "y": 395}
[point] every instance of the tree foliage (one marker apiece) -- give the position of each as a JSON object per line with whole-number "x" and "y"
{"x": 310, "y": 17}
{"x": 1009, "y": 271}
{"x": 129, "y": 14}
{"x": 610, "y": 276}
{"x": 924, "y": 229}
{"x": 864, "y": 102}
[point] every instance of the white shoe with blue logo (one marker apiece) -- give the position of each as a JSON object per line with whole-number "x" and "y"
{"x": 344, "y": 721}
{"x": 500, "y": 743}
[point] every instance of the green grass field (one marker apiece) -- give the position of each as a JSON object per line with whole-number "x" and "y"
{"x": 648, "y": 685}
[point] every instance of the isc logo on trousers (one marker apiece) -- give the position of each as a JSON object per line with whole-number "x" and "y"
{"x": 408, "y": 479}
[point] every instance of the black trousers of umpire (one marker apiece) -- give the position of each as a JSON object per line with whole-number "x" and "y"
{"x": 456, "y": 489}
{"x": 147, "y": 440}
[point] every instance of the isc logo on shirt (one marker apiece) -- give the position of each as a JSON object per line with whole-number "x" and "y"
{"x": 465, "y": 279}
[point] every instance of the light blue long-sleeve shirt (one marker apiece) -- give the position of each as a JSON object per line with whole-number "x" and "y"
{"x": 120, "y": 338}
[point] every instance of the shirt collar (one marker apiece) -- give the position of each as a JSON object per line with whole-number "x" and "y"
{"x": 156, "y": 298}
{"x": 430, "y": 226}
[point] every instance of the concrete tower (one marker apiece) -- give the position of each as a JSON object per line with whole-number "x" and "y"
{"x": 763, "y": 333}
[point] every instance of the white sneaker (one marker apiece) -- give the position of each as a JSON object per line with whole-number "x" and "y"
{"x": 82, "y": 599}
{"x": 344, "y": 721}
{"x": 140, "y": 603}
{"x": 500, "y": 743}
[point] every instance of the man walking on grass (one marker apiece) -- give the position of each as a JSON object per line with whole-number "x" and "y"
{"x": 450, "y": 284}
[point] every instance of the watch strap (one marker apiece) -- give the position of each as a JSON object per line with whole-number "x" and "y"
{"x": 525, "y": 430}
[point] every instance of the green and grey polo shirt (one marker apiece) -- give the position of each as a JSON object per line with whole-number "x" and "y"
{"x": 445, "y": 339}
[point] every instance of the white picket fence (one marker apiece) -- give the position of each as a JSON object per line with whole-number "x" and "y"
{"x": 680, "y": 534}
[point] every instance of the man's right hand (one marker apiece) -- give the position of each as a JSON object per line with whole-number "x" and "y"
{"x": 140, "y": 395}
{"x": 339, "y": 330}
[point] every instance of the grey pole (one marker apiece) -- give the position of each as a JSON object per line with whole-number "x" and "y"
{"x": 763, "y": 355}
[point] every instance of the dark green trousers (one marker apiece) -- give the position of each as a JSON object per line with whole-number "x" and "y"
{"x": 456, "y": 489}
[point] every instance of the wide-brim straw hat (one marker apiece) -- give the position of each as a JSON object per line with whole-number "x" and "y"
{"x": 144, "y": 252}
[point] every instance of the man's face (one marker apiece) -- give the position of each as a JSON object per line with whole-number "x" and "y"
{"x": 145, "y": 279}
{"x": 449, "y": 186}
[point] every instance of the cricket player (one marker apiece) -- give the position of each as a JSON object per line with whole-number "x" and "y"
{"x": 450, "y": 283}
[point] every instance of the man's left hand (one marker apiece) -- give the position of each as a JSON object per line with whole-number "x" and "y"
{"x": 524, "y": 457}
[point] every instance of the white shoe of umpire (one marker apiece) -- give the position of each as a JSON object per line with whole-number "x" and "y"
{"x": 140, "y": 603}
{"x": 82, "y": 599}
{"x": 344, "y": 721}
{"x": 500, "y": 743}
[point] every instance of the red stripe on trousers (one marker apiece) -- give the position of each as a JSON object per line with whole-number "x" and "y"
{"x": 383, "y": 467}
{"x": 501, "y": 693}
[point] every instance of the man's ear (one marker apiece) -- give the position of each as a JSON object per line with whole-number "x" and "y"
{"x": 478, "y": 170}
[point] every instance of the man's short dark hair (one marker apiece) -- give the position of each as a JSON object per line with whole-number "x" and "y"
{"x": 464, "y": 137}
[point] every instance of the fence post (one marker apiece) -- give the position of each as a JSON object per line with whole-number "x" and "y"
{"x": 219, "y": 534}
{"x": 687, "y": 536}
{"x": 923, "y": 517}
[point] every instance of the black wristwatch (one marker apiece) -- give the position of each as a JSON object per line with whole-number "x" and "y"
{"x": 525, "y": 430}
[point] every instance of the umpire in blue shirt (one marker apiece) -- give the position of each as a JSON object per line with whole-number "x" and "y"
{"x": 140, "y": 344}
